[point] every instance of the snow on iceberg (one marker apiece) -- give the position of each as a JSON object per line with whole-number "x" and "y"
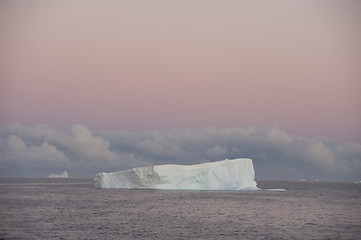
{"x": 236, "y": 174}
{"x": 63, "y": 175}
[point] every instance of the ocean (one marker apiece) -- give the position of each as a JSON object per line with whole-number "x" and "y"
{"x": 74, "y": 209}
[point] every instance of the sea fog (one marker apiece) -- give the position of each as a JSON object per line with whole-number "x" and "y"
{"x": 74, "y": 209}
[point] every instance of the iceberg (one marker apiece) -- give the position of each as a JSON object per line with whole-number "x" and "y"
{"x": 236, "y": 174}
{"x": 63, "y": 175}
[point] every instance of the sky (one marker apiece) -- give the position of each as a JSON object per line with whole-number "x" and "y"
{"x": 149, "y": 68}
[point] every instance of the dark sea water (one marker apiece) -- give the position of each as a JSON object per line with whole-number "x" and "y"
{"x": 74, "y": 209}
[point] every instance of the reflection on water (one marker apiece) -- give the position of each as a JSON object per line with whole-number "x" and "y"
{"x": 74, "y": 209}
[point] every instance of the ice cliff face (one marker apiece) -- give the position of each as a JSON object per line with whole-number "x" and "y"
{"x": 236, "y": 174}
{"x": 63, "y": 175}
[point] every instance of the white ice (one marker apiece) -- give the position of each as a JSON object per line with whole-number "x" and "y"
{"x": 276, "y": 189}
{"x": 62, "y": 175}
{"x": 236, "y": 174}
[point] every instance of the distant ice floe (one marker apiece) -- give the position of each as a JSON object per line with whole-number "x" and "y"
{"x": 276, "y": 189}
{"x": 357, "y": 182}
{"x": 62, "y": 175}
{"x": 236, "y": 174}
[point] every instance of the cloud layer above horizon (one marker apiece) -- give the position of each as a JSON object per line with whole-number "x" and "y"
{"x": 38, "y": 150}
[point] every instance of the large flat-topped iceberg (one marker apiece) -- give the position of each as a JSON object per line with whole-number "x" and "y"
{"x": 236, "y": 174}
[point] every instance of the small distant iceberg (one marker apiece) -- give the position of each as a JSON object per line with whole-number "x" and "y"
{"x": 62, "y": 175}
{"x": 357, "y": 182}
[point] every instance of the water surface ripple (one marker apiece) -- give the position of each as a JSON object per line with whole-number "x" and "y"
{"x": 74, "y": 209}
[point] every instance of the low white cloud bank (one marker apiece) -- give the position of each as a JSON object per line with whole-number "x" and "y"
{"x": 15, "y": 150}
{"x": 276, "y": 154}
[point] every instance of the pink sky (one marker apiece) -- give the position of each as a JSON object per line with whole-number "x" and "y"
{"x": 183, "y": 64}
